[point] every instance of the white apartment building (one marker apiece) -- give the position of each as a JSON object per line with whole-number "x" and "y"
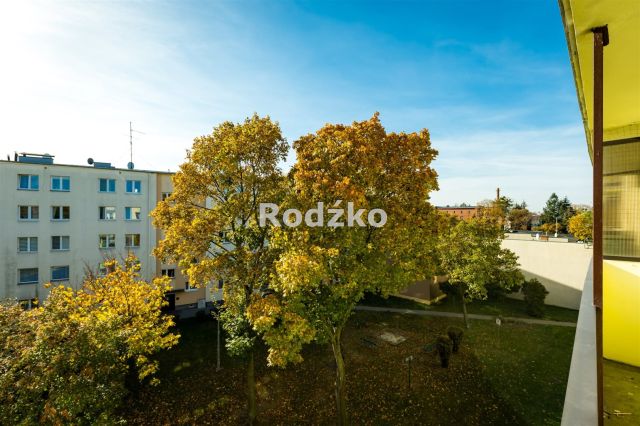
{"x": 57, "y": 220}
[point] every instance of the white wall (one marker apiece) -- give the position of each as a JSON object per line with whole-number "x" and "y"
{"x": 560, "y": 267}
{"x": 83, "y": 227}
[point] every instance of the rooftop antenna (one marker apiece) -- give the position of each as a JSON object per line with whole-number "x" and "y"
{"x": 130, "y": 165}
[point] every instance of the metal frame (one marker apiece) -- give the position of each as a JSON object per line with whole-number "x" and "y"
{"x": 600, "y": 39}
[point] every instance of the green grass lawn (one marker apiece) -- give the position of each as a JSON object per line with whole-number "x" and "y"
{"x": 621, "y": 393}
{"x": 505, "y": 306}
{"x": 498, "y": 378}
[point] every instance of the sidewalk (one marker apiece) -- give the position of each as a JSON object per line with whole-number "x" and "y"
{"x": 470, "y": 316}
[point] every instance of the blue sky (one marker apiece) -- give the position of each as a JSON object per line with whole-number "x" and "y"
{"x": 491, "y": 80}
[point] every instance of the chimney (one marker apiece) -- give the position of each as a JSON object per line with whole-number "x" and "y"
{"x": 498, "y": 194}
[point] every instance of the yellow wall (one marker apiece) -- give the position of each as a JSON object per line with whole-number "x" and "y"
{"x": 621, "y": 310}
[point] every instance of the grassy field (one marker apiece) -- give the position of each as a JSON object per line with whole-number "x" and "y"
{"x": 505, "y": 307}
{"x": 621, "y": 394}
{"x": 498, "y": 378}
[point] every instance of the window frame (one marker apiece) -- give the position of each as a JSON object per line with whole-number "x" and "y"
{"x": 37, "y": 280}
{"x": 60, "y": 240}
{"x": 67, "y": 278}
{"x": 108, "y": 240}
{"x": 169, "y": 272}
{"x": 129, "y": 216}
{"x": 134, "y": 183}
{"x": 102, "y": 213}
{"x": 108, "y": 185}
{"x": 29, "y": 245}
{"x": 30, "y": 217}
{"x": 30, "y": 181}
{"x": 62, "y": 210}
{"x": 61, "y": 179}
{"x": 132, "y": 236}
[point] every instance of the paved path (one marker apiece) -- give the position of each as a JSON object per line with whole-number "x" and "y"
{"x": 457, "y": 315}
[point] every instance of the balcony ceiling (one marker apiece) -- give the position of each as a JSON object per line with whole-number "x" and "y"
{"x": 621, "y": 62}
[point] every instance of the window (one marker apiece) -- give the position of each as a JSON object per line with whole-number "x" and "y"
{"x": 103, "y": 270}
{"x": 28, "y": 182}
{"x": 60, "y": 242}
{"x": 107, "y": 185}
{"x": 29, "y": 212}
{"x": 28, "y": 276}
{"x": 171, "y": 273}
{"x": 132, "y": 240}
{"x": 60, "y": 183}
{"x": 133, "y": 186}
{"x": 60, "y": 212}
{"x": 132, "y": 213}
{"x": 166, "y": 195}
{"x": 220, "y": 284}
{"x": 60, "y": 273}
{"x": 189, "y": 287}
{"x": 107, "y": 213}
{"x": 107, "y": 241}
{"x": 27, "y": 304}
{"x": 27, "y": 244}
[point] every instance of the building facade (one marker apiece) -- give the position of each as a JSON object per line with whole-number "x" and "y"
{"x": 60, "y": 221}
{"x": 463, "y": 213}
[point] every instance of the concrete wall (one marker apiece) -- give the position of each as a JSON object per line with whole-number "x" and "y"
{"x": 560, "y": 267}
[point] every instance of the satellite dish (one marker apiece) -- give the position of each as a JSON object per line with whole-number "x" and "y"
{"x": 130, "y": 165}
{"x": 90, "y": 160}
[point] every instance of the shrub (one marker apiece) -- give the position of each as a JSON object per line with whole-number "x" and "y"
{"x": 443, "y": 346}
{"x": 455, "y": 334}
{"x": 534, "y": 295}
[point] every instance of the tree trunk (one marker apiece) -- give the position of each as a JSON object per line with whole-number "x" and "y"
{"x": 464, "y": 305}
{"x": 341, "y": 400}
{"x": 251, "y": 389}
{"x": 218, "y": 366}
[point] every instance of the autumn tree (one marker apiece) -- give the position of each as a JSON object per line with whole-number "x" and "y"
{"x": 323, "y": 271}
{"x": 211, "y": 223}
{"x": 581, "y": 226}
{"x": 472, "y": 257}
{"x": 519, "y": 217}
{"x": 496, "y": 210}
{"x": 557, "y": 210}
{"x": 68, "y": 361}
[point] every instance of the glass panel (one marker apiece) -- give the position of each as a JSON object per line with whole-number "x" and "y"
{"x": 23, "y": 181}
{"x": 35, "y": 212}
{"x": 103, "y": 185}
{"x": 24, "y": 212}
{"x": 29, "y": 275}
{"x": 112, "y": 185}
{"x": 23, "y": 244}
{"x": 35, "y": 182}
{"x": 66, "y": 184}
{"x": 59, "y": 273}
{"x": 55, "y": 183}
{"x": 55, "y": 243}
{"x": 66, "y": 212}
{"x": 621, "y": 200}
{"x": 34, "y": 243}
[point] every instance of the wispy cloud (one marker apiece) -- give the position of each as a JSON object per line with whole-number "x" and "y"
{"x": 502, "y": 112}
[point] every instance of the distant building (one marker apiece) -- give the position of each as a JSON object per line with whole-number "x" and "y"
{"x": 58, "y": 220}
{"x": 461, "y": 212}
